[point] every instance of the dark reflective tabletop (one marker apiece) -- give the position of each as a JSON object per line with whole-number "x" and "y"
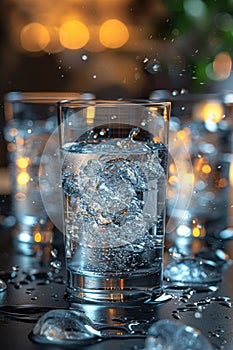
{"x": 35, "y": 286}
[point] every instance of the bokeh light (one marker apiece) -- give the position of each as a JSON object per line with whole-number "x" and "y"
{"x": 22, "y": 162}
{"x": 23, "y": 178}
{"x": 34, "y": 37}
{"x": 74, "y": 34}
{"x": 209, "y": 112}
{"x": 222, "y": 65}
{"x": 113, "y": 34}
{"x": 195, "y": 8}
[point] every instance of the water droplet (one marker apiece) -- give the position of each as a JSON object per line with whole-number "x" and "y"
{"x": 29, "y": 291}
{"x": 153, "y": 66}
{"x": 84, "y": 57}
{"x": 175, "y": 92}
{"x": 56, "y": 264}
{"x": 54, "y": 253}
{"x": 3, "y": 286}
{"x": 94, "y": 76}
{"x": 183, "y": 91}
{"x": 176, "y": 315}
{"x": 18, "y": 285}
{"x": 15, "y": 268}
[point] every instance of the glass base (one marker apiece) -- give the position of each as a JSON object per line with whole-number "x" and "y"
{"x": 129, "y": 289}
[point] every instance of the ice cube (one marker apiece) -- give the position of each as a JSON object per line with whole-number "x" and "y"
{"x": 192, "y": 271}
{"x": 173, "y": 335}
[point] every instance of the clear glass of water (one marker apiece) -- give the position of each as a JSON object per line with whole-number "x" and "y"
{"x": 113, "y": 170}
{"x": 30, "y": 120}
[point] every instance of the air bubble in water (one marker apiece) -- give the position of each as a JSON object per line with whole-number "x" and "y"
{"x": 113, "y": 116}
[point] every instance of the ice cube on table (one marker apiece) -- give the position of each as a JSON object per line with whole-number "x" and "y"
{"x": 172, "y": 335}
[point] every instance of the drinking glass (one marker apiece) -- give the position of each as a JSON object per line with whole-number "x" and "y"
{"x": 30, "y": 119}
{"x": 113, "y": 168}
{"x": 198, "y": 194}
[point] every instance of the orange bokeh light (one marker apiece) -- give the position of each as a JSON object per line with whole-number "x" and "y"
{"x": 34, "y": 37}
{"x": 206, "y": 169}
{"x": 222, "y": 65}
{"x": 73, "y": 35}
{"x": 113, "y": 33}
{"x": 37, "y": 237}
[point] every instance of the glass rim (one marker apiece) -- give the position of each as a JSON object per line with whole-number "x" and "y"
{"x": 163, "y": 95}
{"x": 114, "y": 102}
{"x": 44, "y": 96}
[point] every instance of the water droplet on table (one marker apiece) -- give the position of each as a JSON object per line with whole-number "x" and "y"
{"x": 3, "y": 286}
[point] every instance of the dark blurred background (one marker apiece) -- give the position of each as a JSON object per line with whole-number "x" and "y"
{"x": 115, "y": 48}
